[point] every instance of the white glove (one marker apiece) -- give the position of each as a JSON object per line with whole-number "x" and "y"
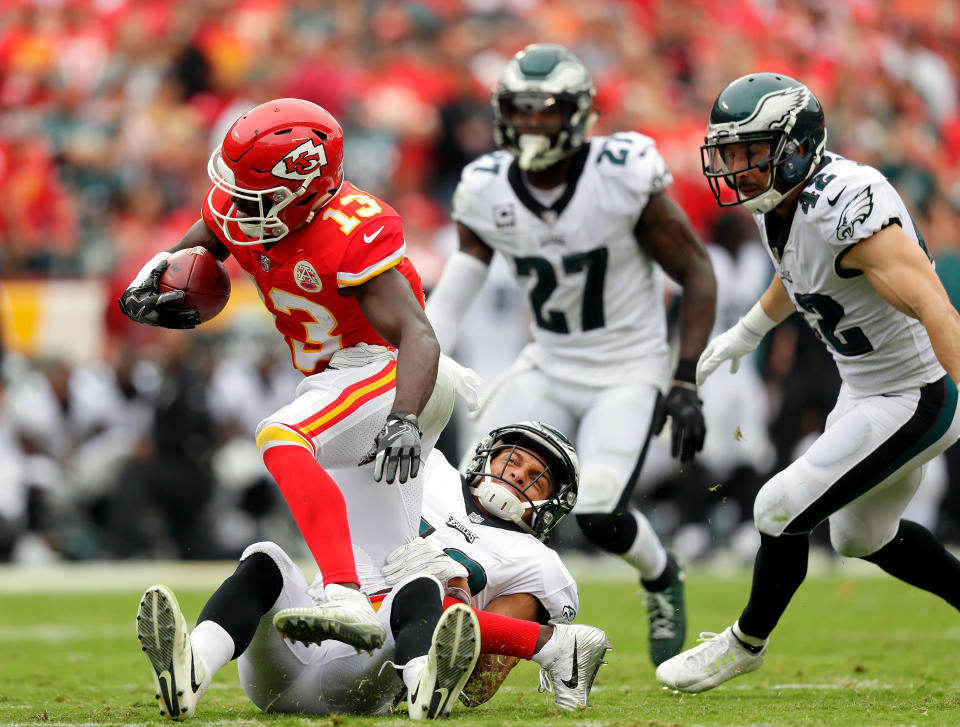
{"x": 467, "y": 383}
{"x": 735, "y": 343}
{"x": 732, "y": 344}
{"x": 421, "y": 556}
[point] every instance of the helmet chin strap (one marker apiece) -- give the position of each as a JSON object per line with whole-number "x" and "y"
{"x": 260, "y": 230}
{"x": 769, "y": 200}
{"x": 531, "y": 146}
{"x": 500, "y": 502}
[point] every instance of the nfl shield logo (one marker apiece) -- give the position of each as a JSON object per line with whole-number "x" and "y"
{"x": 265, "y": 263}
{"x": 475, "y": 518}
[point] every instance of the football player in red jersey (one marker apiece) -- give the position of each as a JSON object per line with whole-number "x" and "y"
{"x": 329, "y": 262}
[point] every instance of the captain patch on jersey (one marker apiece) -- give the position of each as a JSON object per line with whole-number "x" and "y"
{"x": 596, "y": 297}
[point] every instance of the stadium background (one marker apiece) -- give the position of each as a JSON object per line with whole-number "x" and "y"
{"x": 123, "y": 441}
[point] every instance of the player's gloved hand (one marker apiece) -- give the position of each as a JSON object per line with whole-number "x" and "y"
{"x": 423, "y": 557}
{"x": 144, "y": 303}
{"x": 687, "y": 427}
{"x": 397, "y": 447}
{"x": 733, "y": 344}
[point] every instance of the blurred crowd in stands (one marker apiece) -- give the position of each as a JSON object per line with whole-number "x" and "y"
{"x": 109, "y": 110}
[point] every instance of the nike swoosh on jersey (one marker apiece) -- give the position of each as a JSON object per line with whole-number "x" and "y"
{"x": 575, "y": 675}
{"x": 372, "y": 236}
{"x": 836, "y": 199}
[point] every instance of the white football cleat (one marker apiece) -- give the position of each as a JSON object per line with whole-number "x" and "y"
{"x": 180, "y": 677}
{"x": 719, "y": 658}
{"x": 453, "y": 654}
{"x": 570, "y": 676}
{"x": 340, "y": 613}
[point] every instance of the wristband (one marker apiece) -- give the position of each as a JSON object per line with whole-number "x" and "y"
{"x": 757, "y": 322}
{"x": 686, "y": 370}
{"x": 407, "y": 417}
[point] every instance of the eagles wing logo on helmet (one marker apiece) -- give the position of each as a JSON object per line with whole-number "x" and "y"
{"x": 542, "y": 76}
{"x": 780, "y": 108}
{"x": 764, "y": 108}
{"x": 857, "y": 210}
{"x": 301, "y": 163}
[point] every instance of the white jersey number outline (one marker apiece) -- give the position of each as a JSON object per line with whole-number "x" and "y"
{"x": 319, "y": 343}
{"x": 593, "y": 263}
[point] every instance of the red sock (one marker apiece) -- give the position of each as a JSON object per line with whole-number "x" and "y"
{"x": 318, "y": 508}
{"x": 503, "y": 634}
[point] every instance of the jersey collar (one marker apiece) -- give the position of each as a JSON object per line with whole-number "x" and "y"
{"x": 577, "y": 163}
{"x": 778, "y": 228}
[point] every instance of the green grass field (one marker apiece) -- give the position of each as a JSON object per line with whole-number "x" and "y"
{"x": 853, "y": 649}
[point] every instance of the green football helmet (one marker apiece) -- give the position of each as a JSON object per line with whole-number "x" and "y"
{"x": 502, "y": 498}
{"x": 764, "y": 108}
{"x": 541, "y": 76}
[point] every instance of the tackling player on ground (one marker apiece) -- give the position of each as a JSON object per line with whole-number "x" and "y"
{"x": 850, "y": 259}
{"x": 588, "y": 229}
{"x": 508, "y": 572}
{"x": 521, "y": 480}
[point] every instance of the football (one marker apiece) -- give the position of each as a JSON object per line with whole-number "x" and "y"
{"x": 199, "y": 274}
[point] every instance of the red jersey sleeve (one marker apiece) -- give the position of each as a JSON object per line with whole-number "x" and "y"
{"x": 373, "y": 248}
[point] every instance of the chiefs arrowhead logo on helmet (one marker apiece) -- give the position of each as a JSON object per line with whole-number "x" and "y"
{"x": 279, "y": 163}
{"x": 302, "y": 162}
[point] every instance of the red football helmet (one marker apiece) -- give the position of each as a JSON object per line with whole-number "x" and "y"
{"x": 277, "y": 162}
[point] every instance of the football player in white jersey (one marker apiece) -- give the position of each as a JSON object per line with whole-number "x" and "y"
{"x": 588, "y": 230}
{"x": 849, "y": 258}
{"x": 496, "y": 522}
{"x": 530, "y": 473}
{"x": 521, "y": 480}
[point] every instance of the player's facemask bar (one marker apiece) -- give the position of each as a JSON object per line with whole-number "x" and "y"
{"x": 254, "y": 211}
{"x": 501, "y": 497}
{"x": 761, "y": 152}
{"x": 540, "y": 146}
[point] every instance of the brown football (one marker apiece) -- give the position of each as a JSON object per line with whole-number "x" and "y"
{"x": 199, "y": 274}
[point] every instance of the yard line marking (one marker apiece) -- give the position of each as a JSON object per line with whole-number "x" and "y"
{"x": 61, "y": 632}
{"x": 843, "y": 684}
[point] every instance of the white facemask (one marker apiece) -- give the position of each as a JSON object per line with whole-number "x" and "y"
{"x": 532, "y": 146}
{"x": 500, "y": 501}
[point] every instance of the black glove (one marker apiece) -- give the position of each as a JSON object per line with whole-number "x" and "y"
{"x": 397, "y": 445}
{"x": 688, "y": 428}
{"x": 146, "y": 304}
